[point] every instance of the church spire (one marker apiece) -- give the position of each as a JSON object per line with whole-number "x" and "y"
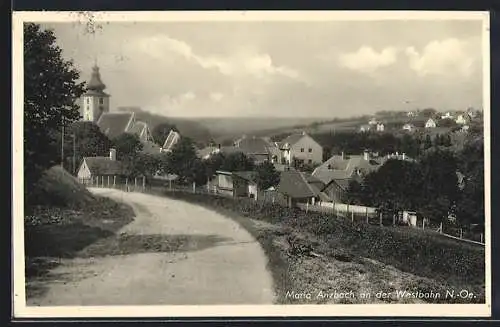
{"x": 95, "y": 83}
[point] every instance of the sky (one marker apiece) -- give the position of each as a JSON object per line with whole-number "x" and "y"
{"x": 282, "y": 68}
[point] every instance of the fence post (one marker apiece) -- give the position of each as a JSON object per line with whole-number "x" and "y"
{"x": 441, "y": 228}
{"x": 481, "y": 237}
{"x": 393, "y": 219}
{"x": 108, "y": 180}
{"x": 194, "y": 187}
{"x": 352, "y": 217}
{"x": 461, "y": 233}
{"x": 366, "y": 214}
{"x": 380, "y": 218}
{"x": 170, "y": 183}
{"x": 423, "y": 224}
{"x": 114, "y": 181}
{"x": 135, "y": 183}
{"x": 126, "y": 184}
{"x": 102, "y": 181}
{"x": 143, "y": 183}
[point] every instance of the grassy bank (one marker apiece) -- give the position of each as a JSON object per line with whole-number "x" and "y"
{"x": 314, "y": 252}
{"x": 63, "y": 219}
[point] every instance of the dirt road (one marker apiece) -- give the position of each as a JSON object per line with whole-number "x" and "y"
{"x": 218, "y": 263}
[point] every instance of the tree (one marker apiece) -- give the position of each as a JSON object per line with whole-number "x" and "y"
{"x": 88, "y": 140}
{"x": 427, "y": 142}
{"x": 127, "y": 146}
{"x": 161, "y": 131}
{"x": 145, "y": 164}
{"x": 267, "y": 175}
{"x": 428, "y": 112}
{"x": 237, "y": 161}
{"x": 182, "y": 161}
{"x": 393, "y": 187}
{"x": 470, "y": 207}
{"x": 440, "y": 183}
{"x": 51, "y": 92}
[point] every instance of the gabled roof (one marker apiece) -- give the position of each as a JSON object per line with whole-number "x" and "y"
{"x": 292, "y": 139}
{"x": 294, "y": 184}
{"x": 250, "y": 176}
{"x": 338, "y": 168}
{"x": 254, "y": 145}
{"x": 104, "y": 166}
{"x": 171, "y": 140}
{"x": 115, "y": 124}
{"x": 137, "y": 128}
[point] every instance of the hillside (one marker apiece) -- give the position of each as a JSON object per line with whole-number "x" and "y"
{"x": 187, "y": 127}
{"x": 62, "y": 219}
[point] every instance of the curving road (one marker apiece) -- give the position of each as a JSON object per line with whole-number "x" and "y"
{"x": 230, "y": 270}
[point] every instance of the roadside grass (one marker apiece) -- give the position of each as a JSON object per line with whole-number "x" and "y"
{"x": 317, "y": 252}
{"x": 62, "y": 219}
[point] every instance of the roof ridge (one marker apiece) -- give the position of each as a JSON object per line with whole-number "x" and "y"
{"x": 305, "y": 181}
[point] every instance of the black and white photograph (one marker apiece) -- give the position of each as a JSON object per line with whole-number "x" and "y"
{"x": 251, "y": 163}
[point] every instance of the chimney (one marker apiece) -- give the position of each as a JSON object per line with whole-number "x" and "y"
{"x": 366, "y": 155}
{"x": 112, "y": 154}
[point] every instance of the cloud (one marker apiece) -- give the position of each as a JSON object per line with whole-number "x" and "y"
{"x": 367, "y": 60}
{"x": 216, "y": 96}
{"x": 242, "y": 63}
{"x": 443, "y": 57}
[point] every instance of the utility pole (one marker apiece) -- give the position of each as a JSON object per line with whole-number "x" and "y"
{"x": 62, "y": 143}
{"x": 74, "y": 153}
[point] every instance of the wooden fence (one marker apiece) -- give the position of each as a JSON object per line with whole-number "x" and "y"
{"x": 355, "y": 213}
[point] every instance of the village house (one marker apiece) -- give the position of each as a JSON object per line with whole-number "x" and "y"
{"x": 365, "y": 128}
{"x": 298, "y": 187}
{"x": 106, "y": 168}
{"x": 373, "y": 121}
{"x": 447, "y": 115}
{"x": 430, "y": 123}
{"x": 234, "y": 184}
{"x": 471, "y": 113}
{"x": 409, "y": 127}
{"x": 339, "y": 170}
{"x": 380, "y": 127}
{"x": 301, "y": 148}
{"x": 462, "y": 119}
{"x": 411, "y": 114}
{"x": 257, "y": 149}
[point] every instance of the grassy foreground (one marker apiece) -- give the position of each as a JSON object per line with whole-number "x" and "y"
{"x": 317, "y": 258}
{"x": 64, "y": 219}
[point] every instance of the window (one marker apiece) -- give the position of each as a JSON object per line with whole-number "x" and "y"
{"x": 101, "y": 100}
{"x": 310, "y": 161}
{"x": 310, "y": 150}
{"x": 302, "y": 150}
{"x": 88, "y": 100}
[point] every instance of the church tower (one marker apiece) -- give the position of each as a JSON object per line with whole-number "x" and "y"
{"x": 95, "y": 100}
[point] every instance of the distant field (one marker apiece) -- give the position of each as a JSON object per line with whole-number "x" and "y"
{"x": 246, "y": 125}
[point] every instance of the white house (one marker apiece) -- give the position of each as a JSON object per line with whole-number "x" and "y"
{"x": 411, "y": 114}
{"x": 462, "y": 119}
{"x": 365, "y": 128}
{"x": 430, "y": 123}
{"x": 448, "y": 115}
{"x": 100, "y": 167}
{"x": 373, "y": 121}
{"x": 409, "y": 127}
{"x": 380, "y": 127}
{"x": 301, "y": 147}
